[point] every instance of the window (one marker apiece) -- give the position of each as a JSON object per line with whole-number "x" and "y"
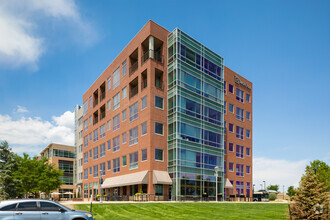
{"x": 86, "y": 141}
{"x": 231, "y": 108}
{"x": 225, "y": 107}
{"x": 116, "y": 101}
{"x": 239, "y": 151}
{"x": 124, "y": 161}
{"x": 124, "y": 67}
{"x": 247, "y": 97}
{"x": 225, "y": 167}
{"x": 248, "y": 153}
{"x": 109, "y": 165}
{"x": 144, "y": 154}
{"x": 90, "y": 136}
{"x": 124, "y": 93}
{"x": 109, "y": 83}
{"x": 144, "y": 128}
{"x": 231, "y": 147}
{"x": 116, "y": 78}
{"x": 109, "y": 125}
{"x": 225, "y": 147}
{"x": 231, "y": 88}
{"x": 27, "y": 206}
{"x": 248, "y": 187}
{"x": 124, "y": 138}
{"x": 95, "y": 153}
{"x": 133, "y": 136}
{"x": 144, "y": 103}
{"x": 239, "y": 188}
{"x": 86, "y": 174}
{"x": 159, "y": 190}
{"x": 86, "y": 157}
{"x": 247, "y": 169}
{"x": 230, "y": 127}
{"x": 85, "y": 108}
{"x": 115, "y": 143}
{"x": 96, "y": 134}
{"x": 108, "y": 105}
{"x": 116, "y": 165}
{"x": 239, "y": 114}
{"x": 225, "y": 87}
{"x": 102, "y": 150}
{"x": 109, "y": 145}
{"x": 239, "y": 170}
{"x": 90, "y": 154}
{"x": 90, "y": 101}
{"x": 102, "y": 168}
{"x": 116, "y": 123}
{"x": 247, "y": 133}
{"x": 96, "y": 171}
{"x": 225, "y": 127}
{"x": 133, "y": 111}
{"x": 239, "y": 95}
{"x": 90, "y": 171}
{"x": 239, "y": 132}
{"x": 133, "y": 160}
{"x": 159, "y": 128}
{"x": 102, "y": 131}
{"x": 159, "y": 102}
{"x": 248, "y": 115}
{"x": 86, "y": 125}
{"x": 231, "y": 167}
{"x": 124, "y": 115}
{"x": 158, "y": 154}
{"x": 90, "y": 120}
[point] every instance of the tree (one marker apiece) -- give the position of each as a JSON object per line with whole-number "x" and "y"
{"x": 8, "y": 165}
{"x": 273, "y": 187}
{"x": 291, "y": 191}
{"x": 322, "y": 171}
{"x": 310, "y": 201}
{"x": 36, "y": 175}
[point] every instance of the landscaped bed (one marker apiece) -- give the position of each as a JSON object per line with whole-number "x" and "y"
{"x": 189, "y": 211}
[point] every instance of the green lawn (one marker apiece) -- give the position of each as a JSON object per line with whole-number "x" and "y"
{"x": 189, "y": 211}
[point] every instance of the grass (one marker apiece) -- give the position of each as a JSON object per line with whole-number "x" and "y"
{"x": 189, "y": 211}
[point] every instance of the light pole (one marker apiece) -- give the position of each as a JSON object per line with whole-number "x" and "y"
{"x": 216, "y": 182}
{"x": 260, "y": 186}
{"x": 101, "y": 181}
{"x": 264, "y": 185}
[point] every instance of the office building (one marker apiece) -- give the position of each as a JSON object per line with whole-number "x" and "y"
{"x": 154, "y": 122}
{"x": 63, "y": 157}
{"x": 78, "y": 168}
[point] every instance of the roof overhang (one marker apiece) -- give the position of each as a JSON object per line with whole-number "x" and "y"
{"x": 161, "y": 177}
{"x": 126, "y": 180}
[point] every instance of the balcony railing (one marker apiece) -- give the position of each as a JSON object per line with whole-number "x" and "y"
{"x": 133, "y": 92}
{"x": 152, "y": 54}
{"x": 133, "y": 68}
{"x": 144, "y": 84}
{"x": 102, "y": 96}
{"x": 96, "y": 101}
{"x": 159, "y": 84}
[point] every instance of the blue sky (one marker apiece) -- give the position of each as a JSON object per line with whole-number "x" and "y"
{"x": 52, "y": 52}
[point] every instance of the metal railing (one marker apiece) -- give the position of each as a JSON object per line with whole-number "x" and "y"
{"x": 152, "y": 54}
{"x": 133, "y": 68}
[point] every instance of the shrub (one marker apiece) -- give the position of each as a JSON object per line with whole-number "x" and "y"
{"x": 272, "y": 196}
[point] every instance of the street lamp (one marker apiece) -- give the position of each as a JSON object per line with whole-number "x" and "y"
{"x": 264, "y": 185}
{"x": 101, "y": 182}
{"x": 216, "y": 183}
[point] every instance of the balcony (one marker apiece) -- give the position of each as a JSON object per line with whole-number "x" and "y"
{"x": 159, "y": 79}
{"x": 156, "y": 55}
{"x": 133, "y": 87}
{"x": 133, "y": 58}
{"x": 95, "y": 98}
{"x": 102, "y": 112}
{"x": 102, "y": 90}
{"x": 144, "y": 82}
{"x": 95, "y": 117}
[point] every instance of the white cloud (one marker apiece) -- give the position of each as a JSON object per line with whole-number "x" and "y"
{"x": 281, "y": 172}
{"x": 32, "y": 134}
{"x": 21, "y": 109}
{"x": 20, "y": 43}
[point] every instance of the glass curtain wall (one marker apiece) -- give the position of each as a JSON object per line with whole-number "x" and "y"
{"x": 195, "y": 118}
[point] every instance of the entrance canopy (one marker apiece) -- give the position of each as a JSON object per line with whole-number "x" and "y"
{"x": 128, "y": 179}
{"x": 161, "y": 177}
{"x": 228, "y": 184}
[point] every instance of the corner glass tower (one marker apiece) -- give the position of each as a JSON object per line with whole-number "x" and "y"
{"x": 195, "y": 119}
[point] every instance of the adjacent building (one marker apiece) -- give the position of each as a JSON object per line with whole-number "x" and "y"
{"x": 63, "y": 157}
{"x": 156, "y": 122}
{"x": 78, "y": 114}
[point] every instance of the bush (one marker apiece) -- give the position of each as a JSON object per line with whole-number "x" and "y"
{"x": 272, "y": 196}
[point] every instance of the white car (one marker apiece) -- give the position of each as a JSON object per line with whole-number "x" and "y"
{"x": 39, "y": 209}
